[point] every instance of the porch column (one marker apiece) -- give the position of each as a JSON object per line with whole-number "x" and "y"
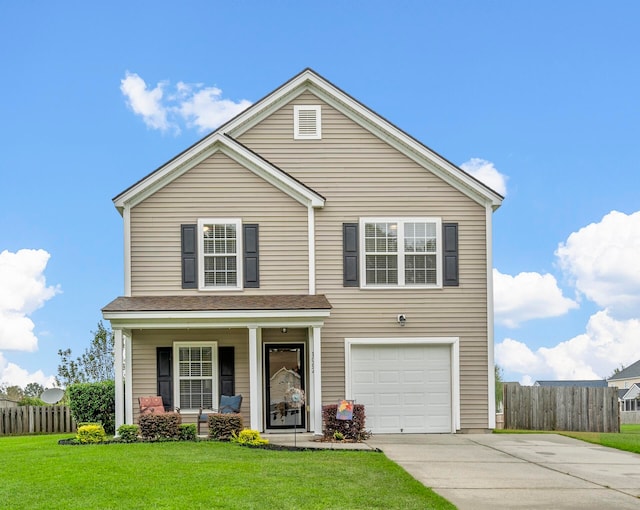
{"x": 128, "y": 378}
{"x": 254, "y": 379}
{"x": 316, "y": 369}
{"x": 119, "y": 382}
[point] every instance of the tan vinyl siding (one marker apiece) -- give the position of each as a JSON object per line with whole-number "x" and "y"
{"x": 218, "y": 188}
{"x": 361, "y": 175}
{"x": 144, "y": 365}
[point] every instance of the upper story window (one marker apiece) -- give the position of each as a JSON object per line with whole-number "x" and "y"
{"x": 401, "y": 252}
{"x": 307, "y": 122}
{"x": 220, "y": 249}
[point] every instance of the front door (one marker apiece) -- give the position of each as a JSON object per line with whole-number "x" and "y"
{"x": 284, "y": 373}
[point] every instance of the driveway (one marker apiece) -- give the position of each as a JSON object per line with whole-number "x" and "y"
{"x": 491, "y": 471}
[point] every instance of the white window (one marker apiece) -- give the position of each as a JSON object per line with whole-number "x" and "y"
{"x": 401, "y": 252}
{"x": 196, "y": 375}
{"x": 220, "y": 249}
{"x": 307, "y": 122}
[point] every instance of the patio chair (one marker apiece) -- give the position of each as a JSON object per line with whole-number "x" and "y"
{"x": 151, "y": 405}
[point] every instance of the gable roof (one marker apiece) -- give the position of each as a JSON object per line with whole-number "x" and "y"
{"x": 630, "y": 393}
{"x": 307, "y": 80}
{"x": 630, "y": 372}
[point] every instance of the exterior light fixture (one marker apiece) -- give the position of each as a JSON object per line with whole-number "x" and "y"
{"x": 402, "y": 319}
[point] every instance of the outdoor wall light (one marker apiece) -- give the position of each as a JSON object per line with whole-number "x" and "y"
{"x": 284, "y": 330}
{"x": 402, "y": 319}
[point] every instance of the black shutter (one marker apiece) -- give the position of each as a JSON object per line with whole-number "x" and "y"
{"x": 226, "y": 360}
{"x": 250, "y": 255}
{"x": 189, "y": 239}
{"x": 165, "y": 381}
{"x": 350, "y": 270}
{"x": 450, "y": 255}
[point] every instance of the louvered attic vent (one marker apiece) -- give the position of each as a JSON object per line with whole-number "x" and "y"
{"x": 307, "y": 122}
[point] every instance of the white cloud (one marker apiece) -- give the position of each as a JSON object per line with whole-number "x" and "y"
{"x": 192, "y": 104}
{"x": 23, "y": 290}
{"x": 486, "y": 173}
{"x": 606, "y": 344}
{"x": 602, "y": 259}
{"x": 13, "y": 375}
{"x": 527, "y": 296}
{"x": 144, "y": 101}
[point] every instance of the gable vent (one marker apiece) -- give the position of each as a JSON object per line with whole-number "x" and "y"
{"x": 307, "y": 122}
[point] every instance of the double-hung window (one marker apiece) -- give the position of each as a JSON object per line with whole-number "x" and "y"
{"x": 220, "y": 249}
{"x": 401, "y": 252}
{"x": 195, "y": 366}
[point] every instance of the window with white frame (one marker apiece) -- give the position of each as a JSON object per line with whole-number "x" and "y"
{"x": 220, "y": 251}
{"x": 401, "y": 252}
{"x": 195, "y": 369}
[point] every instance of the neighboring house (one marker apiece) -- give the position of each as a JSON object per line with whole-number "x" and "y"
{"x": 627, "y": 377}
{"x": 595, "y": 383}
{"x": 6, "y": 403}
{"x": 629, "y": 398}
{"x": 311, "y": 234}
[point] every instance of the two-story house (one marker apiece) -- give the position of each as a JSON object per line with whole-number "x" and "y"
{"x": 309, "y": 243}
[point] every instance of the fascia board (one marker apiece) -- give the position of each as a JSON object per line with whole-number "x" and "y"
{"x": 244, "y": 315}
{"x": 201, "y": 152}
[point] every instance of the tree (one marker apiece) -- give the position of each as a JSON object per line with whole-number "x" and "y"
{"x": 33, "y": 389}
{"x": 96, "y": 364}
{"x": 12, "y": 392}
{"x": 499, "y": 386}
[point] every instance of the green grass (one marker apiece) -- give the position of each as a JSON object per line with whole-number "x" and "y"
{"x": 628, "y": 439}
{"x": 36, "y": 472}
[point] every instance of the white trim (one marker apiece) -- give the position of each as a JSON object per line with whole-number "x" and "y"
{"x": 490, "y": 326}
{"x": 127, "y": 250}
{"x": 311, "y": 229}
{"x": 230, "y": 315}
{"x": 176, "y": 372}
{"x": 238, "y": 255}
{"x": 453, "y": 342}
{"x": 217, "y": 142}
{"x": 315, "y": 358}
{"x": 317, "y": 134}
{"x": 119, "y": 380}
{"x": 400, "y": 221}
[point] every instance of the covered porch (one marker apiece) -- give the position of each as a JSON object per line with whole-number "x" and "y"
{"x": 263, "y": 331}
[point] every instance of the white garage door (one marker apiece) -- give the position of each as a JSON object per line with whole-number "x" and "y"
{"x": 405, "y": 388}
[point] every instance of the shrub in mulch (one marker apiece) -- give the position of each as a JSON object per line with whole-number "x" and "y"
{"x": 158, "y": 427}
{"x": 350, "y": 430}
{"x": 222, "y": 427}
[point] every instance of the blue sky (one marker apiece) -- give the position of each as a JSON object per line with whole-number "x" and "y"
{"x": 542, "y": 98}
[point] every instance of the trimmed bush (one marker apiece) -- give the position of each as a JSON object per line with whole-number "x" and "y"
{"x": 188, "y": 432}
{"x": 128, "y": 433}
{"x": 248, "y": 437}
{"x": 91, "y": 433}
{"x": 351, "y": 430}
{"x": 94, "y": 402}
{"x": 223, "y": 426}
{"x": 155, "y": 427}
{"x": 32, "y": 401}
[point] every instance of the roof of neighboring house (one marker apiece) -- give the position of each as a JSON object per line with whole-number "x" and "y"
{"x": 629, "y": 393}
{"x": 217, "y": 303}
{"x": 224, "y": 138}
{"x": 627, "y": 373}
{"x": 597, "y": 383}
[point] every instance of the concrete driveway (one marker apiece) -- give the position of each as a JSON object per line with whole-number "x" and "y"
{"x": 547, "y": 471}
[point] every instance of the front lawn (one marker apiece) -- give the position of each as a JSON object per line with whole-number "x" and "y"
{"x": 36, "y": 472}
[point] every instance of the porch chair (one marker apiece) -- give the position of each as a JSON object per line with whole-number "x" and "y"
{"x": 151, "y": 405}
{"x": 228, "y": 405}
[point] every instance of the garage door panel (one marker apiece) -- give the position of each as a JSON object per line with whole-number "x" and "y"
{"x": 405, "y": 388}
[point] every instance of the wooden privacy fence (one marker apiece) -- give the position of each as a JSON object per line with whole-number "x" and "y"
{"x": 630, "y": 417}
{"x": 36, "y": 420}
{"x": 561, "y": 408}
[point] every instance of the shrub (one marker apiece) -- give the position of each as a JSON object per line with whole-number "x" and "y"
{"x": 248, "y": 437}
{"x": 128, "y": 433}
{"x": 187, "y": 432}
{"x": 223, "y": 426}
{"x": 91, "y": 433}
{"x": 94, "y": 402}
{"x": 32, "y": 401}
{"x": 156, "y": 427}
{"x": 352, "y": 430}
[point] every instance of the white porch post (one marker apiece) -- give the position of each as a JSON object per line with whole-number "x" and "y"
{"x": 128, "y": 378}
{"x": 316, "y": 410}
{"x": 254, "y": 379}
{"x": 119, "y": 383}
